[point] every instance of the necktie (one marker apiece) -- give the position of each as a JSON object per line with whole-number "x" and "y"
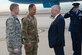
{"x": 76, "y": 12}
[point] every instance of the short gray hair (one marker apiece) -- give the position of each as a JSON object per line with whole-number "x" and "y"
{"x": 13, "y": 6}
{"x": 56, "y": 6}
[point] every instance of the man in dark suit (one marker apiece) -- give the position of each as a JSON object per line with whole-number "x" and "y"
{"x": 75, "y": 27}
{"x": 56, "y": 31}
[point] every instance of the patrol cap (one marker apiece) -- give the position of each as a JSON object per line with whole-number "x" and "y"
{"x": 76, "y": 5}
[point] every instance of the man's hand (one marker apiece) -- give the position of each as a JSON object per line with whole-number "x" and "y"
{"x": 38, "y": 40}
{"x": 29, "y": 45}
{"x": 80, "y": 14}
{"x": 16, "y": 50}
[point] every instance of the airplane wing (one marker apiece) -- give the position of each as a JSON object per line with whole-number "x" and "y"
{"x": 46, "y": 3}
{"x": 49, "y": 4}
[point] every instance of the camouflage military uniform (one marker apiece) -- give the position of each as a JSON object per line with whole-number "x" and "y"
{"x": 30, "y": 34}
{"x": 13, "y": 35}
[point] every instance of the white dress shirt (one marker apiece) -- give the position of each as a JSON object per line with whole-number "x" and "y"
{"x": 55, "y": 17}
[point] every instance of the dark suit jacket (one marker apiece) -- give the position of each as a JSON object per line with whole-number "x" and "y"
{"x": 75, "y": 21}
{"x": 56, "y": 32}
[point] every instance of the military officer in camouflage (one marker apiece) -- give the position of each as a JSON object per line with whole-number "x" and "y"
{"x": 30, "y": 32}
{"x": 13, "y": 31}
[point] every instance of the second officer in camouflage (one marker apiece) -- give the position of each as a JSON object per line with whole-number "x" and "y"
{"x": 30, "y": 32}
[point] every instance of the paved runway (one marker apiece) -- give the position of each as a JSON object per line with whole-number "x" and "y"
{"x": 43, "y": 45}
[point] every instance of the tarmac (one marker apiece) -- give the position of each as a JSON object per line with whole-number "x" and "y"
{"x": 44, "y": 22}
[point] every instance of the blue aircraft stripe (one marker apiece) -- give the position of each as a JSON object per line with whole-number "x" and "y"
{"x": 33, "y": 1}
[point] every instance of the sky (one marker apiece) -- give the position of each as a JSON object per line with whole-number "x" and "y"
{"x": 4, "y": 6}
